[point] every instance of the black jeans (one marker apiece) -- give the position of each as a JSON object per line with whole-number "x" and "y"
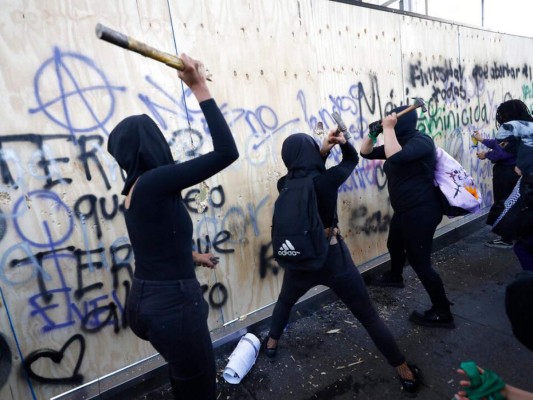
{"x": 411, "y": 238}
{"x": 341, "y": 275}
{"x": 504, "y": 179}
{"x": 172, "y": 316}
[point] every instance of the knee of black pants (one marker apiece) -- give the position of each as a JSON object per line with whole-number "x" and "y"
{"x": 201, "y": 387}
{"x": 287, "y": 298}
{"x": 295, "y": 285}
{"x": 184, "y": 341}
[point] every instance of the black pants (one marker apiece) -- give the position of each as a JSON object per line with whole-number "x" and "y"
{"x": 504, "y": 179}
{"x": 410, "y": 239}
{"x": 341, "y": 275}
{"x": 172, "y": 315}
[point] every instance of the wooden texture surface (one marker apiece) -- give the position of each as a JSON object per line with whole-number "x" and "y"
{"x": 278, "y": 67}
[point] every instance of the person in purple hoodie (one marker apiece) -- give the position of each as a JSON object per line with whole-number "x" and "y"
{"x": 502, "y": 154}
{"x": 516, "y": 219}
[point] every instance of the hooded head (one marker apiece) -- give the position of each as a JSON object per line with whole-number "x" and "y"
{"x": 301, "y": 155}
{"x": 138, "y": 145}
{"x": 406, "y": 126}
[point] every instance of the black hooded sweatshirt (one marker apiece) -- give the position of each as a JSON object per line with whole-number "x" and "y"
{"x": 410, "y": 171}
{"x": 159, "y": 226}
{"x": 301, "y": 155}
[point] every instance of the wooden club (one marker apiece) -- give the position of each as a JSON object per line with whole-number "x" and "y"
{"x": 128, "y": 43}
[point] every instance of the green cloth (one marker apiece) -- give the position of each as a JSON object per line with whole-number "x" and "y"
{"x": 374, "y": 129}
{"x": 373, "y": 136}
{"x": 486, "y": 385}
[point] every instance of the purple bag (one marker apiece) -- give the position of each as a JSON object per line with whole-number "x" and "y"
{"x": 460, "y": 193}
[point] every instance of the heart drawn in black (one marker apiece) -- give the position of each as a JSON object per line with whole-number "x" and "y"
{"x": 57, "y": 357}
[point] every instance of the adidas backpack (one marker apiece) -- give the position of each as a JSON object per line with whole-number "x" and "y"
{"x": 298, "y": 238}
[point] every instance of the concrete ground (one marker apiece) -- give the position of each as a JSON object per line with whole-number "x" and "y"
{"x": 326, "y": 354}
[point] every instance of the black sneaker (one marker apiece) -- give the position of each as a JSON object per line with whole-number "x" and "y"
{"x": 387, "y": 280}
{"x": 433, "y": 318}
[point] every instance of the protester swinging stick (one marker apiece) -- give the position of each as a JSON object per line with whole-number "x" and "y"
{"x": 375, "y": 128}
{"x": 127, "y": 42}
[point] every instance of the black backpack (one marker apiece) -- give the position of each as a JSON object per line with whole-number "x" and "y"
{"x": 298, "y": 238}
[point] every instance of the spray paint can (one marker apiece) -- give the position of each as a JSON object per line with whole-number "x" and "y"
{"x": 474, "y": 140}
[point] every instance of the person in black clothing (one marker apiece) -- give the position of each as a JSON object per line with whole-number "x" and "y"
{"x": 302, "y": 155}
{"x": 409, "y": 166}
{"x": 165, "y": 305}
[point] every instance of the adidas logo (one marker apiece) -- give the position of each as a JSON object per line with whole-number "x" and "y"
{"x": 287, "y": 249}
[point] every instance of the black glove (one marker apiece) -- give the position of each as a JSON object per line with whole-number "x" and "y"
{"x": 374, "y": 129}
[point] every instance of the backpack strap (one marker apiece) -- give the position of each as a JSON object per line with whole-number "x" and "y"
{"x": 431, "y": 170}
{"x": 333, "y": 229}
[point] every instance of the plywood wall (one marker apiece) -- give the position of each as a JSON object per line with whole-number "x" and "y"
{"x": 278, "y": 67}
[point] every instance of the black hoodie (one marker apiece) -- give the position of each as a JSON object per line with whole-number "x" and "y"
{"x": 138, "y": 145}
{"x": 301, "y": 156}
{"x": 159, "y": 226}
{"x": 410, "y": 171}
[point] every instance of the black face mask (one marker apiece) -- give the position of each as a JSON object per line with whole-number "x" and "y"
{"x": 138, "y": 145}
{"x": 301, "y": 155}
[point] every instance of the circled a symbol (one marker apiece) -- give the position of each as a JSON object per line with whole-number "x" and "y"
{"x": 53, "y": 216}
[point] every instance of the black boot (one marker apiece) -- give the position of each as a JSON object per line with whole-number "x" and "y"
{"x": 386, "y": 279}
{"x": 433, "y": 318}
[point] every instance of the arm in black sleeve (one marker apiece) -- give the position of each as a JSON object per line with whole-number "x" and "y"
{"x": 171, "y": 179}
{"x": 414, "y": 149}
{"x": 336, "y": 175}
{"x": 377, "y": 153}
{"x": 350, "y": 158}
